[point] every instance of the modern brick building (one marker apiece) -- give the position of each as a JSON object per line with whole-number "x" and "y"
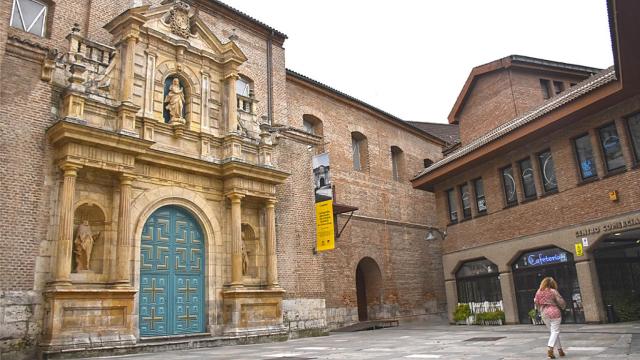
{"x": 545, "y": 183}
{"x": 157, "y": 181}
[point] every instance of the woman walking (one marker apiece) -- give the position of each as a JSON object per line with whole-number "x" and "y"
{"x": 550, "y": 304}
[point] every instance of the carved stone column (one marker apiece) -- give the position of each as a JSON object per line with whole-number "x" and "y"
{"x": 123, "y": 256}
{"x": 128, "y": 59}
{"x": 65, "y": 226}
{"x": 232, "y": 102}
{"x": 272, "y": 260}
{"x": 236, "y": 239}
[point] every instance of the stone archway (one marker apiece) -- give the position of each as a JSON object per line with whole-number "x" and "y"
{"x": 368, "y": 287}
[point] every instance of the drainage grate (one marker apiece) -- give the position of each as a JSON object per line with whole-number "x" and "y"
{"x": 486, "y": 338}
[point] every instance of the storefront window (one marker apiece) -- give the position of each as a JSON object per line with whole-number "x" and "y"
{"x": 480, "y": 200}
{"x": 584, "y": 154}
{"x": 478, "y": 281}
{"x": 526, "y": 175}
{"x": 451, "y": 201}
{"x": 466, "y": 201}
{"x": 634, "y": 133}
{"x": 611, "y": 147}
{"x": 547, "y": 171}
{"x": 509, "y": 184}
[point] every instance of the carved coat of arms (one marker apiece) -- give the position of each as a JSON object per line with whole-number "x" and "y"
{"x": 179, "y": 20}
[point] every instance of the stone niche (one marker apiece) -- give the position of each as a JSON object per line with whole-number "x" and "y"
{"x": 90, "y": 234}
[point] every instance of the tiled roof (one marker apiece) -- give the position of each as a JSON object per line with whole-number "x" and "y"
{"x": 250, "y": 18}
{"x": 449, "y": 133}
{"x": 586, "y": 86}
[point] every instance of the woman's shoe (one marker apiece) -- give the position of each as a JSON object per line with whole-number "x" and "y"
{"x": 550, "y": 354}
{"x": 561, "y": 353}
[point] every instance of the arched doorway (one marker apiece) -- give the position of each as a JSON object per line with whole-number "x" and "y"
{"x": 368, "y": 287}
{"x": 171, "y": 274}
{"x": 617, "y": 259}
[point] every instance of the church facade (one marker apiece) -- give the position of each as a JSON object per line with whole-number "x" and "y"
{"x": 158, "y": 183}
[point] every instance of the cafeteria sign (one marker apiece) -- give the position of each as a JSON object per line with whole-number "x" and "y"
{"x": 543, "y": 257}
{"x": 325, "y": 234}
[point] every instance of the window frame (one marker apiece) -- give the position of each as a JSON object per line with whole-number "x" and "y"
{"x": 44, "y": 13}
{"x": 603, "y": 152}
{"x": 477, "y": 198}
{"x": 465, "y": 215}
{"x": 634, "y": 149}
{"x": 541, "y": 170}
{"x": 577, "y": 157}
{"x": 545, "y": 85}
{"x": 452, "y": 205}
{"x": 397, "y": 166}
{"x": 533, "y": 179}
{"x": 504, "y": 188}
{"x": 361, "y": 140}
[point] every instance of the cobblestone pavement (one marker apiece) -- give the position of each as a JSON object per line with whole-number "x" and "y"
{"x": 422, "y": 341}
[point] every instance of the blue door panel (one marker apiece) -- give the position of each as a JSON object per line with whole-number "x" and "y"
{"x": 171, "y": 274}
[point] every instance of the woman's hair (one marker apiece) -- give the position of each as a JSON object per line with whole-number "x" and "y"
{"x": 547, "y": 283}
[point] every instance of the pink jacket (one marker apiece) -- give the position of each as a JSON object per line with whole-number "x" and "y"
{"x": 549, "y": 302}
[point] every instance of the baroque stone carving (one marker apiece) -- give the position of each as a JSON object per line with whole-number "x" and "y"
{"x": 175, "y": 102}
{"x": 83, "y": 245}
{"x": 179, "y": 21}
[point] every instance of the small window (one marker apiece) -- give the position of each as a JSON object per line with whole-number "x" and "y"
{"x": 526, "y": 175}
{"x": 244, "y": 92}
{"x": 29, "y": 16}
{"x": 312, "y": 124}
{"x": 558, "y": 87}
{"x": 427, "y": 163}
{"x": 478, "y": 187}
{"x": 397, "y": 165}
{"x": 547, "y": 171}
{"x": 545, "y": 86}
{"x": 466, "y": 201}
{"x": 509, "y": 185}
{"x": 611, "y": 148}
{"x": 584, "y": 155}
{"x": 451, "y": 201}
{"x": 359, "y": 151}
{"x": 634, "y": 133}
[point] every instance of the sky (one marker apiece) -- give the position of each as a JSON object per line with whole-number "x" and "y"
{"x": 411, "y": 57}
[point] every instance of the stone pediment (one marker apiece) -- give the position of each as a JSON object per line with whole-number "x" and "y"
{"x": 178, "y": 24}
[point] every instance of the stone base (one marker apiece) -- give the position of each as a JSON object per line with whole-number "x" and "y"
{"x": 249, "y": 311}
{"x": 88, "y": 318}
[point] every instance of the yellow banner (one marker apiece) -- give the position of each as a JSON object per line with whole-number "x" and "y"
{"x": 324, "y": 226}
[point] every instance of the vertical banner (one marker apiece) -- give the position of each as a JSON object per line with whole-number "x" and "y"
{"x": 324, "y": 203}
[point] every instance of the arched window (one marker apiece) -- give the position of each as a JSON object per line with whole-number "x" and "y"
{"x": 312, "y": 124}
{"x": 244, "y": 94}
{"x": 478, "y": 281}
{"x": 360, "y": 151}
{"x": 397, "y": 163}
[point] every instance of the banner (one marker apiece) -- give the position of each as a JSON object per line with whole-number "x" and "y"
{"x": 325, "y": 239}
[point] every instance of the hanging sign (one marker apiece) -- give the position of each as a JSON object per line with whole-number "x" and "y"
{"x": 325, "y": 233}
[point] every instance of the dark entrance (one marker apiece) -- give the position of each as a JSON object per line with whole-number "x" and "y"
{"x": 477, "y": 281}
{"x": 618, "y": 263}
{"x": 368, "y": 287}
{"x": 534, "y": 266}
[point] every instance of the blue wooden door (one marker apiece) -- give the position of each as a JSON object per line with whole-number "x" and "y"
{"x": 171, "y": 274}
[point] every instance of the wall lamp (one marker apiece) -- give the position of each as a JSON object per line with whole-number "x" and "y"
{"x": 431, "y": 233}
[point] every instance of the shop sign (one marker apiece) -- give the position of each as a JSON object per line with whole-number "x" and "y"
{"x": 579, "y": 250}
{"x": 608, "y": 227}
{"x": 543, "y": 257}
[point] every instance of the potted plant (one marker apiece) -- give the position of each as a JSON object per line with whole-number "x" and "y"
{"x": 535, "y": 317}
{"x": 462, "y": 313}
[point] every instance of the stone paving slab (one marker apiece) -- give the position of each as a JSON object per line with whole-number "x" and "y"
{"x": 422, "y": 341}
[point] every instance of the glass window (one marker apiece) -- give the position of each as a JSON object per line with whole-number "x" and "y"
{"x": 308, "y": 126}
{"x": 547, "y": 171}
{"x": 509, "y": 184}
{"x": 355, "y": 146}
{"x": 611, "y": 148}
{"x": 396, "y": 163}
{"x": 544, "y": 84}
{"x": 466, "y": 201}
{"x": 481, "y": 204}
{"x": 29, "y": 15}
{"x": 243, "y": 87}
{"x": 558, "y": 87}
{"x": 477, "y": 281}
{"x": 451, "y": 201}
{"x": 584, "y": 154}
{"x": 634, "y": 133}
{"x": 526, "y": 175}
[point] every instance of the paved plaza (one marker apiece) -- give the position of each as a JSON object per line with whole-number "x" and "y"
{"x": 423, "y": 341}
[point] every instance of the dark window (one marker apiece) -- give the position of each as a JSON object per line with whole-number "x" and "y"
{"x": 634, "y": 133}
{"x": 509, "y": 184}
{"x": 572, "y": 84}
{"x": 544, "y": 84}
{"x": 478, "y": 187}
{"x": 611, "y": 147}
{"x": 466, "y": 201}
{"x": 427, "y": 162}
{"x": 558, "y": 87}
{"x": 451, "y": 201}
{"x": 547, "y": 171}
{"x": 526, "y": 175}
{"x": 477, "y": 281}
{"x": 584, "y": 155}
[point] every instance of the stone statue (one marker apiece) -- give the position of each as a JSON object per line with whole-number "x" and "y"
{"x": 175, "y": 102}
{"x": 245, "y": 257}
{"x": 83, "y": 245}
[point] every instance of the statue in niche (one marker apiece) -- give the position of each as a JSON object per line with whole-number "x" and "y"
{"x": 245, "y": 256}
{"x": 175, "y": 102}
{"x": 83, "y": 245}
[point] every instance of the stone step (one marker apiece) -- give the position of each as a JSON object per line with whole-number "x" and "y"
{"x": 369, "y": 325}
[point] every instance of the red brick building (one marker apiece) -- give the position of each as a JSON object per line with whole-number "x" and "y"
{"x": 545, "y": 183}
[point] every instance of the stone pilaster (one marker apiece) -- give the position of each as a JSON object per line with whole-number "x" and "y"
{"x": 65, "y": 226}
{"x": 123, "y": 256}
{"x": 232, "y": 102}
{"x": 451, "y": 292}
{"x": 128, "y": 59}
{"x": 236, "y": 239}
{"x": 272, "y": 260}
{"x": 590, "y": 292}
{"x": 509, "y": 298}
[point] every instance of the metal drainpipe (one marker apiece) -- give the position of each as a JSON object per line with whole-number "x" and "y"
{"x": 270, "y": 78}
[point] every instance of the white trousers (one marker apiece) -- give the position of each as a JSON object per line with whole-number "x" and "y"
{"x": 554, "y": 332}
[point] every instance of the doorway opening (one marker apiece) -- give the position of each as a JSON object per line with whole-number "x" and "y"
{"x": 368, "y": 288}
